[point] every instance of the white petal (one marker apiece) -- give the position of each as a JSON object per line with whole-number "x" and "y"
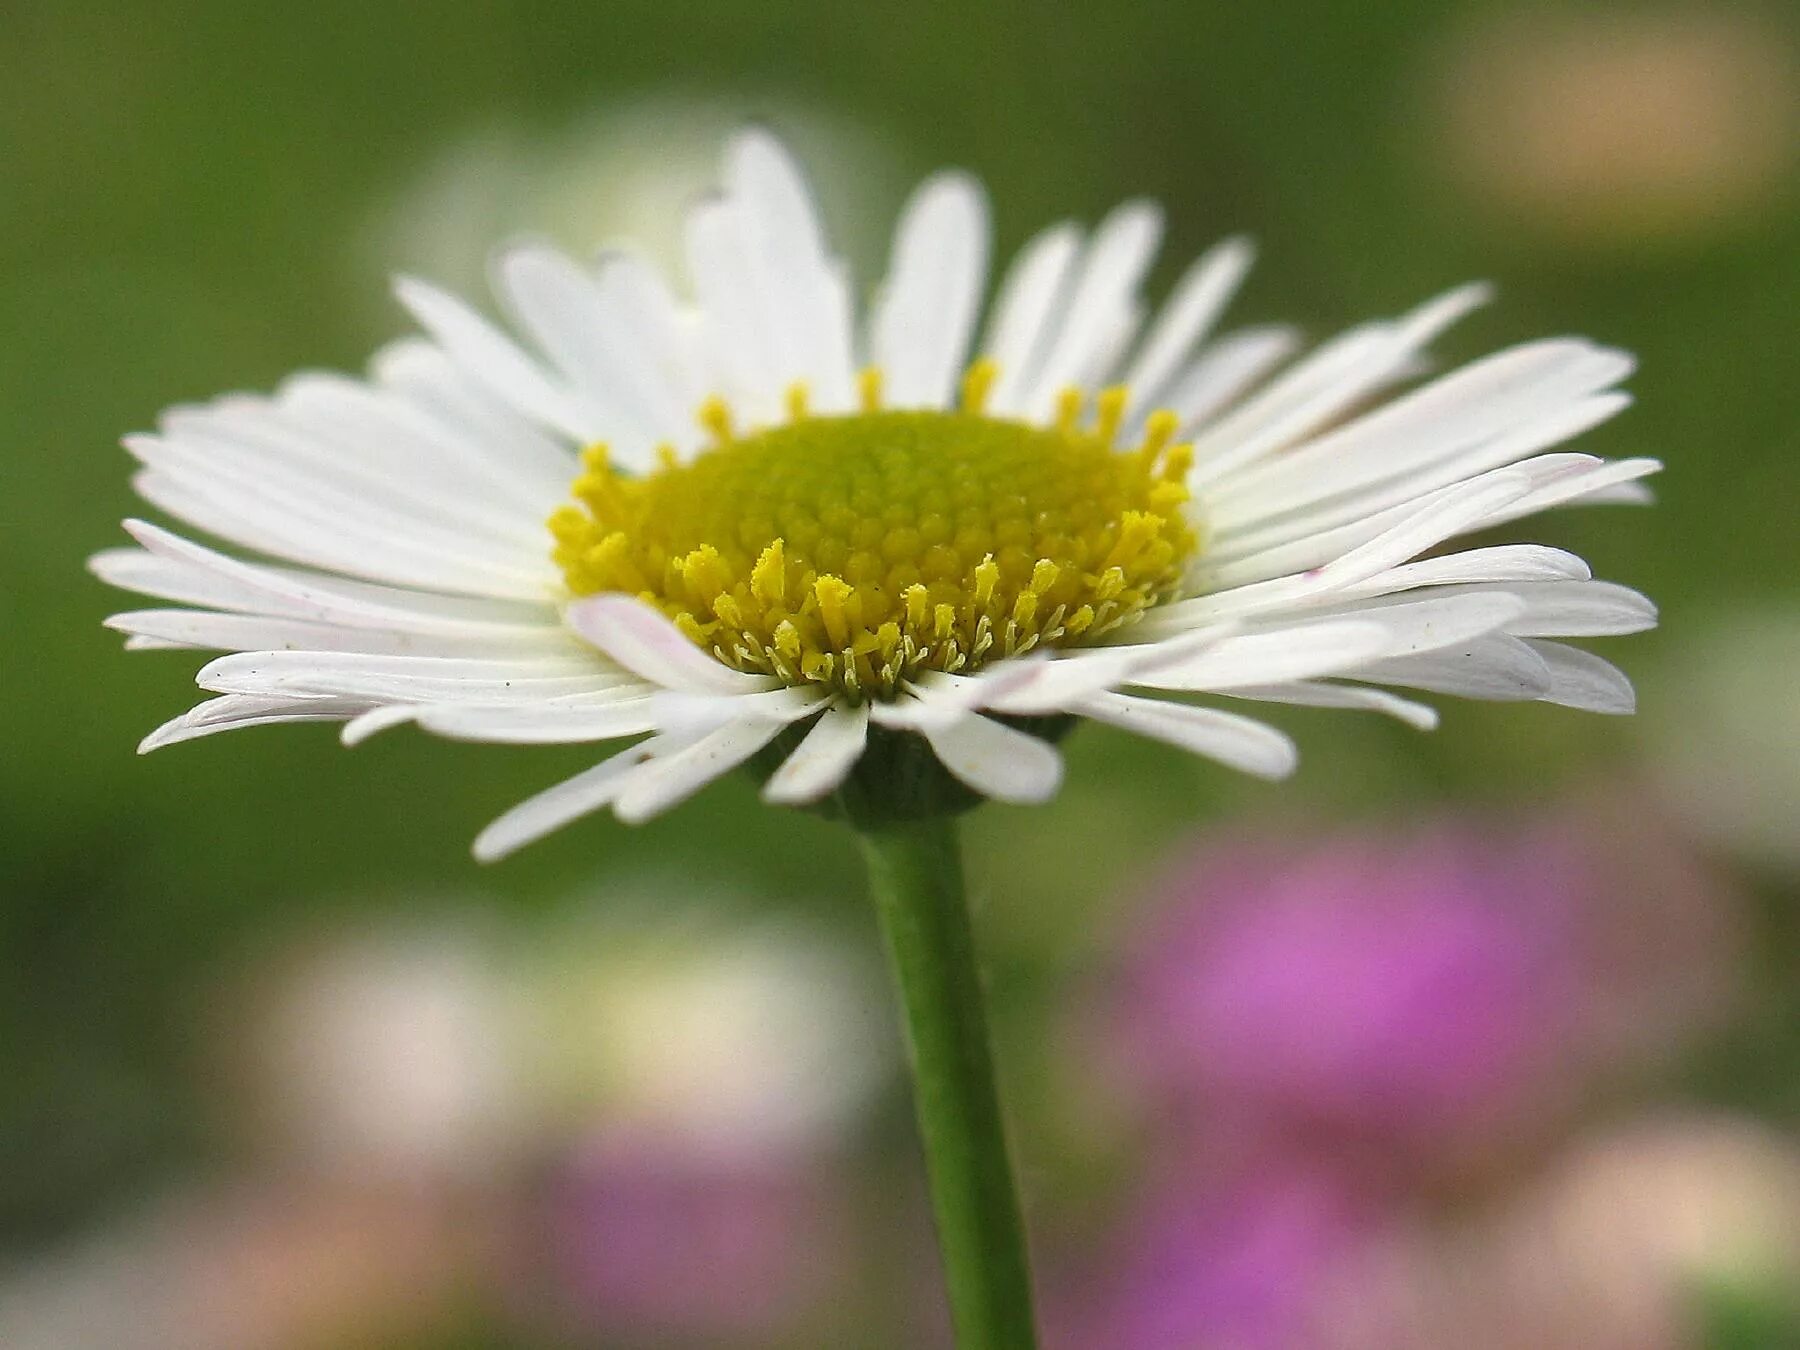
{"x": 1102, "y": 293}
{"x": 1224, "y": 371}
{"x": 822, "y": 760}
{"x": 377, "y": 720}
{"x": 346, "y": 541}
{"x": 1493, "y": 667}
{"x": 1051, "y": 686}
{"x": 1320, "y": 388}
{"x": 805, "y": 284}
{"x": 1018, "y": 334}
{"x": 1263, "y": 658}
{"x": 1499, "y": 563}
{"x": 938, "y": 699}
{"x": 1582, "y": 609}
{"x": 745, "y": 320}
{"x": 1323, "y": 694}
{"x": 201, "y": 629}
{"x": 646, "y": 643}
{"x": 996, "y": 760}
{"x": 569, "y": 800}
{"x": 1269, "y": 516}
{"x": 671, "y": 778}
{"x": 233, "y": 712}
{"x": 1583, "y": 482}
{"x": 1579, "y": 679}
{"x": 494, "y": 439}
{"x": 919, "y": 334}
{"x": 174, "y": 568}
{"x": 492, "y": 359}
{"x": 559, "y": 302}
{"x": 1193, "y": 308}
{"x": 1484, "y": 399}
{"x": 1234, "y": 740}
{"x": 404, "y": 679}
{"x": 693, "y": 715}
{"x": 1356, "y": 552}
{"x": 545, "y": 723}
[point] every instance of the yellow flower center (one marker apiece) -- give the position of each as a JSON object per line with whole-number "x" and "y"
{"x": 861, "y": 550}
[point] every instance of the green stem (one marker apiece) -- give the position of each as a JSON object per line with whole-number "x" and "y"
{"x": 916, "y": 875}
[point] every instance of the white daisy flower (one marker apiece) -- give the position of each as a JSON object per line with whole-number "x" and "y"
{"x": 777, "y": 525}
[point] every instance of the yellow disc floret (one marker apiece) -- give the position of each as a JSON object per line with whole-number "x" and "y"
{"x": 858, "y": 551}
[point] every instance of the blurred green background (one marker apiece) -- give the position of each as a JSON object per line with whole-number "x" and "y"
{"x": 198, "y": 198}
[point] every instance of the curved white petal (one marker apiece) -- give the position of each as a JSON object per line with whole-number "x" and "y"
{"x": 995, "y": 760}
{"x": 568, "y": 801}
{"x": 823, "y": 758}
{"x": 1326, "y": 694}
{"x": 1579, "y": 679}
{"x": 233, "y": 712}
{"x": 1230, "y": 738}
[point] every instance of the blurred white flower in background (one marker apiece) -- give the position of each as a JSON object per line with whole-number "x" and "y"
{"x": 1728, "y": 756}
{"x": 1617, "y": 1246}
{"x": 618, "y": 174}
{"x": 1619, "y": 123}
{"x": 769, "y": 1032}
{"x": 390, "y": 1048}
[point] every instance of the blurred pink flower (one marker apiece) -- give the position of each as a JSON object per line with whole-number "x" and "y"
{"x": 1405, "y": 988}
{"x": 1234, "y": 1266}
{"x": 657, "y": 1235}
{"x": 1419, "y": 993}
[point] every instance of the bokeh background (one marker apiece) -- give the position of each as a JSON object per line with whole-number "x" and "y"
{"x": 1489, "y": 1037}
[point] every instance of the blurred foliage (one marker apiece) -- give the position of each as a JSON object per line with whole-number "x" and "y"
{"x": 180, "y": 188}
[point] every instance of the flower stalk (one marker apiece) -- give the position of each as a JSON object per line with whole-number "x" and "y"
{"x": 915, "y": 872}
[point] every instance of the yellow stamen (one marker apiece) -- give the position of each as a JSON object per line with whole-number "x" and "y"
{"x": 978, "y": 384}
{"x": 715, "y": 417}
{"x": 868, "y": 388}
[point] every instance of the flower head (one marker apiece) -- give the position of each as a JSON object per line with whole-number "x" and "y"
{"x": 744, "y": 521}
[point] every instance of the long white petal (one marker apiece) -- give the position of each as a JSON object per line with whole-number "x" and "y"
{"x": 1325, "y": 694}
{"x": 232, "y": 712}
{"x": 1225, "y": 371}
{"x": 1103, "y": 293}
{"x": 1230, "y": 738}
{"x": 491, "y": 359}
{"x": 203, "y": 629}
{"x": 671, "y": 778}
{"x": 801, "y": 280}
{"x": 1320, "y": 388}
{"x": 545, "y": 723}
{"x": 568, "y": 801}
{"x": 920, "y": 331}
{"x": 173, "y": 568}
{"x": 646, "y": 643}
{"x": 1019, "y": 332}
{"x": 1194, "y": 307}
{"x": 1264, "y": 658}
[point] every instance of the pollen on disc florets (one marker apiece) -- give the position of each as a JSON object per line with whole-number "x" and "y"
{"x": 859, "y": 550}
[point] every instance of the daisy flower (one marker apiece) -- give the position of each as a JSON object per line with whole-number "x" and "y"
{"x": 753, "y": 519}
